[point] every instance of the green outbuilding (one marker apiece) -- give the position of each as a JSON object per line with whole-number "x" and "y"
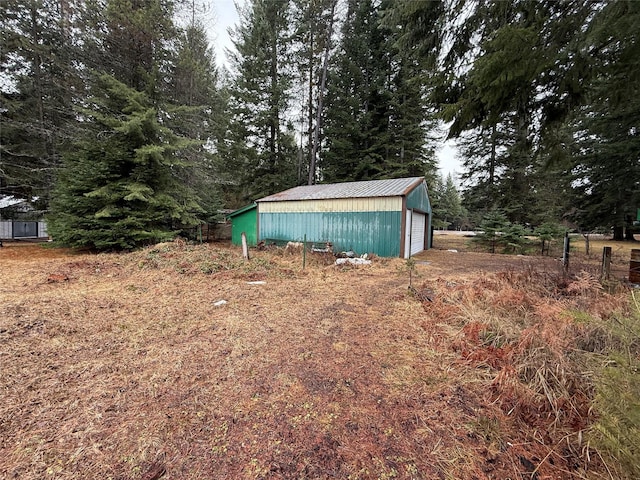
{"x": 244, "y": 220}
{"x": 391, "y": 218}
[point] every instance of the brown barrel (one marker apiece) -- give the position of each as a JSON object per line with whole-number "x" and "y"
{"x": 634, "y": 266}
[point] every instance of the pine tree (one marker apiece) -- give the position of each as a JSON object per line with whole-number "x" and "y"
{"x": 451, "y": 204}
{"x": 134, "y": 39}
{"x": 119, "y": 189}
{"x": 37, "y": 48}
{"x": 523, "y": 81}
{"x": 357, "y": 116}
{"x": 496, "y": 106}
{"x": 607, "y": 126}
{"x": 376, "y": 121}
{"x": 196, "y": 109}
{"x": 264, "y": 153}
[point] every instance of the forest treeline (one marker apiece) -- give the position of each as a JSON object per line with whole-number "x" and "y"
{"x": 116, "y": 121}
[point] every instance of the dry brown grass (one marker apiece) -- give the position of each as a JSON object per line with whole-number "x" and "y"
{"x": 120, "y": 366}
{"x": 579, "y": 260}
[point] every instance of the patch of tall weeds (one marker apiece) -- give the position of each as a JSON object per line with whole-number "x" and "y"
{"x": 616, "y": 432}
{"x": 560, "y": 354}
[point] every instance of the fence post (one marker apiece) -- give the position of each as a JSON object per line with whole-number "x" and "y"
{"x": 565, "y": 254}
{"x": 245, "y": 247}
{"x": 304, "y": 251}
{"x": 634, "y": 266}
{"x": 606, "y": 263}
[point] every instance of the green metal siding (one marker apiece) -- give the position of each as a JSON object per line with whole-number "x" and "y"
{"x": 245, "y": 222}
{"x": 362, "y": 232}
{"x": 419, "y": 200}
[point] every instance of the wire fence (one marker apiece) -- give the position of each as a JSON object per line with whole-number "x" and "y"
{"x": 608, "y": 263}
{"x": 605, "y": 259}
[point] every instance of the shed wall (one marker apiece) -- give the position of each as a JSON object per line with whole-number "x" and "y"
{"x": 381, "y": 204}
{"x": 6, "y": 229}
{"x": 362, "y": 232}
{"x": 419, "y": 200}
{"x": 245, "y": 222}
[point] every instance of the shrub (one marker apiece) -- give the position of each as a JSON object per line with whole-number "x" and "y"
{"x": 546, "y": 233}
{"x": 498, "y": 232}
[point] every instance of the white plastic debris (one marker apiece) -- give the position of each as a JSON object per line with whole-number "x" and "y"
{"x": 353, "y": 261}
{"x": 219, "y": 303}
{"x": 452, "y": 250}
{"x": 257, "y": 282}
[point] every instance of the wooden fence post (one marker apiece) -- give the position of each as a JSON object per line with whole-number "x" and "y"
{"x": 606, "y": 263}
{"x": 634, "y": 266}
{"x": 565, "y": 254}
{"x": 245, "y": 247}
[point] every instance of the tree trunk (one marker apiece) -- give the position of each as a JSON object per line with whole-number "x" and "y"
{"x": 492, "y": 159}
{"x": 628, "y": 233}
{"x": 587, "y": 243}
{"x": 323, "y": 82}
{"x": 274, "y": 120}
{"x": 618, "y": 233}
{"x": 312, "y": 160}
{"x": 37, "y": 66}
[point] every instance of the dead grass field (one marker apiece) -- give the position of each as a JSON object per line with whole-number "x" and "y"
{"x": 120, "y": 366}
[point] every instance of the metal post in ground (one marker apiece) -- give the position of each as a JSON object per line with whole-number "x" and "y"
{"x": 304, "y": 251}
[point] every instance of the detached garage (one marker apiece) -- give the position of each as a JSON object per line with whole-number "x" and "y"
{"x": 391, "y": 218}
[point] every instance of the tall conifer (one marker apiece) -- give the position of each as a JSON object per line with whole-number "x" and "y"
{"x": 119, "y": 189}
{"x": 264, "y": 154}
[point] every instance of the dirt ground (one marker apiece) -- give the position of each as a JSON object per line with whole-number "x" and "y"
{"x": 184, "y": 362}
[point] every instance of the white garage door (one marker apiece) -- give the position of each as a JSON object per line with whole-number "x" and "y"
{"x": 418, "y": 223}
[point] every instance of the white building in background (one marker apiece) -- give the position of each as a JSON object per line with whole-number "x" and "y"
{"x": 14, "y": 222}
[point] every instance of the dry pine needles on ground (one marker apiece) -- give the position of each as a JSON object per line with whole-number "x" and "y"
{"x": 122, "y": 366}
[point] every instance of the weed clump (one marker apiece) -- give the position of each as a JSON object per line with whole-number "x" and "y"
{"x": 560, "y": 356}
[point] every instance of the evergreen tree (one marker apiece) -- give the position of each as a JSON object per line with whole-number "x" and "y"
{"x": 133, "y": 39}
{"x": 492, "y": 228}
{"x": 314, "y": 22}
{"x": 194, "y": 75}
{"x": 120, "y": 188}
{"x": 38, "y": 46}
{"x": 357, "y": 116}
{"x": 451, "y": 205}
{"x": 197, "y": 111}
{"x": 410, "y": 150}
{"x": 509, "y": 104}
{"x": 607, "y": 126}
{"x": 376, "y": 121}
{"x": 496, "y": 104}
{"x": 497, "y": 231}
{"x": 264, "y": 152}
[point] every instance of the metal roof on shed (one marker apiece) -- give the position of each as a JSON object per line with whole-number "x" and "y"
{"x": 241, "y": 210}
{"x": 371, "y": 188}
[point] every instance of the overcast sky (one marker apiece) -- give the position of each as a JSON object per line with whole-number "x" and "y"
{"x": 225, "y": 16}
